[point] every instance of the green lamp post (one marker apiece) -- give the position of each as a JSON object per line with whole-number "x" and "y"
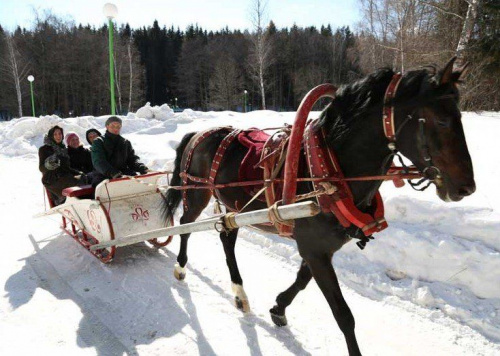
{"x": 31, "y": 79}
{"x": 110, "y": 11}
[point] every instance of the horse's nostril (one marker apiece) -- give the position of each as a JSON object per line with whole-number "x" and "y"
{"x": 467, "y": 190}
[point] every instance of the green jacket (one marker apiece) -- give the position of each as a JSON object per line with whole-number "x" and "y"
{"x": 113, "y": 154}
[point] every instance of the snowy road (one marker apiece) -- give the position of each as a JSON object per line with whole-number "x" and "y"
{"x": 58, "y": 299}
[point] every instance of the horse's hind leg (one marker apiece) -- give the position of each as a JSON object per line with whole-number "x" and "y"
{"x": 197, "y": 200}
{"x": 285, "y": 298}
{"x": 228, "y": 239}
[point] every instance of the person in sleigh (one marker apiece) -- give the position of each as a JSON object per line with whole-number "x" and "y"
{"x": 113, "y": 155}
{"x": 54, "y": 163}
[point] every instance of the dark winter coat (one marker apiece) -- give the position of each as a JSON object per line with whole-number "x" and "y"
{"x": 55, "y": 180}
{"x": 113, "y": 155}
{"x": 80, "y": 159}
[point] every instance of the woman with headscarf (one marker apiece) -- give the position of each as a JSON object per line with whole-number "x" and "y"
{"x": 79, "y": 156}
{"x": 54, "y": 163}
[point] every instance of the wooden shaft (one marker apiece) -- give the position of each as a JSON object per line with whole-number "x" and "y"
{"x": 288, "y": 212}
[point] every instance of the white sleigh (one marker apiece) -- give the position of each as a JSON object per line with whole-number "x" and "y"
{"x": 122, "y": 207}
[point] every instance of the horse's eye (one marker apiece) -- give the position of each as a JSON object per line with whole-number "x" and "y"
{"x": 443, "y": 123}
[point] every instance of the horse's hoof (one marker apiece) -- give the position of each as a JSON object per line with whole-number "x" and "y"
{"x": 278, "y": 319}
{"x": 242, "y": 305}
{"x": 179, "y": 272}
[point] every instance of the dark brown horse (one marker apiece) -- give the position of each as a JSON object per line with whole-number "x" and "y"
{"x": 353, "y": 126}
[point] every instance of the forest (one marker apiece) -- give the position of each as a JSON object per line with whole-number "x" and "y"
{"x": 262, "y": 68}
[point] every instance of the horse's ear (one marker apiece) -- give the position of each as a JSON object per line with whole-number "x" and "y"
{"x": 446, "y": 75}
{"x": 460, "y": 72}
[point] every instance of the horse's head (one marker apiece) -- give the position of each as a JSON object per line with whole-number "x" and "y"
{"x": 434, "y": 139}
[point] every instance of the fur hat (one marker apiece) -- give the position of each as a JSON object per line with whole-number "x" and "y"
{"x": 113, "y": 119}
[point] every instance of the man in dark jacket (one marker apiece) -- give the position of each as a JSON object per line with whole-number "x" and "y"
{"x": 113, "y": 155}
{"x": 54, "y": 163}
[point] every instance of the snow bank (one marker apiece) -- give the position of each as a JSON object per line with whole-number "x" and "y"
{"x": 162, "y": 113}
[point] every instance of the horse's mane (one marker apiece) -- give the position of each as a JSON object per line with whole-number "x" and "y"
{"x": 363, "y": 98}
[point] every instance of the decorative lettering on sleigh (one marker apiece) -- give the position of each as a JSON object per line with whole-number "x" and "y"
{"x": 94, "y": 224}
{"x": 140, "y": 214}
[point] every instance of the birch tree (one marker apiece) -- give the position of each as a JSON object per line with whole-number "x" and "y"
{"x": 260, "y": 54}
{"x": 468, "y": 27}
{"x": 14, "y": 68}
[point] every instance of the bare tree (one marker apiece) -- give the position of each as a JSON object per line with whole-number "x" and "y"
{"x": 131, "y": 77}
{"x": 225, "y": 84}
{"x": 469, "y": 22}
{"x": 14, "y": 68}
{"x": 403, "y": 29}
{"x": 260, "y": 54}
{"x": 375, "y": 42}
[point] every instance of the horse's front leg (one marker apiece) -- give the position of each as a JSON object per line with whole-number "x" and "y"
{"x": 326, "y": 278}
{"x": 228, "y": 239}
{"x": 285, "y": 298}
{"x": 196, "y": 202}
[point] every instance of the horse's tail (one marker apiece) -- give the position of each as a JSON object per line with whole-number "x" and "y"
{"x": 173, "y": 196}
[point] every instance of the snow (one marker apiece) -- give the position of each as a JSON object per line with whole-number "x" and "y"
{"x": 428, "y": 284}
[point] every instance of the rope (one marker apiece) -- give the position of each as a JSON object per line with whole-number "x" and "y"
{"x": 326, "y": 188}
{"x": 275, "y": 217}
{"x": 273, "y": 176}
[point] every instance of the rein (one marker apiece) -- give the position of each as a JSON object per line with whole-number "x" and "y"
{"x": 412, "y": 174}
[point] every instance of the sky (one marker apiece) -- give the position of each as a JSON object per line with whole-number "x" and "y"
{"x": 209, "y": 14}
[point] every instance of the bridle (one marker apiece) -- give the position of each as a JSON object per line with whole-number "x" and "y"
{"x": 430, "y": 173}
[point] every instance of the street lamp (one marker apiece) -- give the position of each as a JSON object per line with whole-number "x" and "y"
{"x": 110, "y": 11}
{"x": 31, "y": 79}
{"x": 176, "y": 103}
{"x": 245, "y": 100}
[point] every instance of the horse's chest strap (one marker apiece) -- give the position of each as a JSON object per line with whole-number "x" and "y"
{"x": 323, "y": 163}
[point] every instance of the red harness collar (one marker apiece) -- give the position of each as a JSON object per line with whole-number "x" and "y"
{"x": 323, "y": 163}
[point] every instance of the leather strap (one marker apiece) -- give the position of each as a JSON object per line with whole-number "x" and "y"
{"x": 388, "y": 109}
{"x": 219, "y": 155}
{"x": 185, "y": 177}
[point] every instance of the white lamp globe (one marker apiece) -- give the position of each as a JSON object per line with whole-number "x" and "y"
{"x": 110, "y": 10}
{"x": 31, "y": 78}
